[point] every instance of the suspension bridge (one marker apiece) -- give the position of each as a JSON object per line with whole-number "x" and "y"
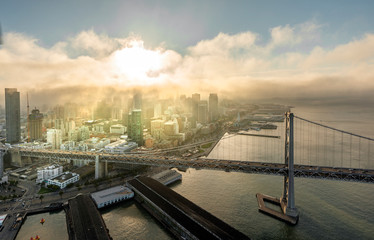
{"x": 297, "y": 148}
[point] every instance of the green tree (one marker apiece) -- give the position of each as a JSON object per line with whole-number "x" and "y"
{"x": 41, "y": 198}
{"x": 60, "y": 193}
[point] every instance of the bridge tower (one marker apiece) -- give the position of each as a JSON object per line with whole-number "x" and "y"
{"x": 288, "y": 198}
{"x": 289, "y": 212}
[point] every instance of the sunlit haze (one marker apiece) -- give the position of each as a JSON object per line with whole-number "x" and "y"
{"x": 310, "y": 57}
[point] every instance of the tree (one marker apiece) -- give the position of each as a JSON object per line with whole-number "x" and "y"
{"x": 61, "y": 192}
{"x": 41, "y": 198}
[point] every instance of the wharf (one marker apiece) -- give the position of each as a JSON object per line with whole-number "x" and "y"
{"x": 84, "y": 221}
{"x": 167, "y": 177}
{"x": 183, "y": 218}
{"x": 110, "y": 196}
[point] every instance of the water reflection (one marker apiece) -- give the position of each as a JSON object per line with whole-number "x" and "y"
{"x": 54, "y": 227}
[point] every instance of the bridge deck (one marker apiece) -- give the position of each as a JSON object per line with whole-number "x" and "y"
{"x": 337, "y": 173}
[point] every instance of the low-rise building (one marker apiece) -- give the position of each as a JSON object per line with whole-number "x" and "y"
{"x": 48, "y": 172}
{"x": 117, "y": 129}
{"x": 64, "y": 179}
{"x": 111, "y": 195}
{"x": 120, "y": 146}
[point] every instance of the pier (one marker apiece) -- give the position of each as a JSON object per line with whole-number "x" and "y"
{"x": 168, "y": 177}
{"x": 84, "y": 221}
{"x": 184, "y": 219}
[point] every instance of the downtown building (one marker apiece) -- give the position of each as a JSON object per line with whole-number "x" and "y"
{"x": 64, "y": 179}
{"x": 48, "y": 172}
{"x": 13, "y": 115}
{"x": 54, "y": 137}
{"x": 195, "y": 109}
{"x": 35, "y": 123}
{"x": 135, "y": 126}
{"x": 213, "y": 107}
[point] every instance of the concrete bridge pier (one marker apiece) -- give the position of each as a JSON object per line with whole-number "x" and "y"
{"x": 101, "y": 168}
{"x": 2, "y": 153}
{"x": 16, "y": 158}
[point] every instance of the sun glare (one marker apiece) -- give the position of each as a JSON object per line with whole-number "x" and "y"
{"x": 138, "y": 63}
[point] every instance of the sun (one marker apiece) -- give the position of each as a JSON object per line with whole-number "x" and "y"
{"x": 137, "y": 63}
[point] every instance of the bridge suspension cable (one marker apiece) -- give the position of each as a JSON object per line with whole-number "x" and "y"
{"x": 324, "y": 146}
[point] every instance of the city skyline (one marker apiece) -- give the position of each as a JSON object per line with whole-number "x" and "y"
{"x": 316, "y": 52}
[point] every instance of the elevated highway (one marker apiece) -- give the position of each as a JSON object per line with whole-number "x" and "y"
{"x": 337, "y": 173}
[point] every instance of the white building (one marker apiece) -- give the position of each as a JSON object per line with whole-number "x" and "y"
{"x": 48, "y": 172}
{"x": 97, "y": 143}
{"x": 112, "y": 195}
{"x": 64, "y": 179}
{"x": 117, "y": 128}
{"x": 171, "y": 127}
{"x": 54, "y": 137}
{"x": 120, "y": 146}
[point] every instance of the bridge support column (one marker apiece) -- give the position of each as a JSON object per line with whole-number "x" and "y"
{"x": 16, "y": 158}
{"x": 2, "y": 153}
{"x": 101, "y": 168}
{"x": 289, "y": 212}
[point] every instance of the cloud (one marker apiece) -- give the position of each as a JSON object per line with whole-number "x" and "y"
{"x": 292, "y": 64}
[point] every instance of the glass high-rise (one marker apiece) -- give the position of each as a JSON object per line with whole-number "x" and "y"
{"x": 13, "y": 115}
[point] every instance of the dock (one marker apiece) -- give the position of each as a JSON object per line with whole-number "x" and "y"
{"x": 110, "y": 196}
{"x": 184, "y": 219}
{"x": 167, "y": 177}
{"x": 84, "y": 221}
{"x": 257, "y": 135}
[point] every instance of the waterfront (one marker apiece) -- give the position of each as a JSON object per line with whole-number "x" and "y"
{"x": 328, "y": 209}
{"x": 54, "y": 226}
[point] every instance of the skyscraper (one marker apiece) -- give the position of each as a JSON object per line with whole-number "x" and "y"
{"x": 13, "y": 115}
{"x": 213, "y": 107}
{"x": 135, "y": 128}
{"x": 203, "y": 112}
{"x": 35, "y": 122}
{"x": 195, "y": 108}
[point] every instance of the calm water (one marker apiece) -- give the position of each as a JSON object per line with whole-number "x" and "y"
{"x": 328, "y": 209}
{"x": 54, "y": 227}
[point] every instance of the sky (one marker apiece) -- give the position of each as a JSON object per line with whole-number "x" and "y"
{"x": 314, "y": 51}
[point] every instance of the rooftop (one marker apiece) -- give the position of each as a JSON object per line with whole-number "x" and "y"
{"x": 63, "y": 177}
{"x": 110, "y": 193}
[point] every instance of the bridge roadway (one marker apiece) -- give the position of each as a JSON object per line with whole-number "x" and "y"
{"x": 337, "y": 173}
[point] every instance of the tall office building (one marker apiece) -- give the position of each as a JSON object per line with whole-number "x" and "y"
{"x": 13, "y": 115}
{"x": 195, "y": 108}
{"x": 135, "y": 128}
{"x": 35, "y": 122}
{"x": 203, "y": 112}
{"x": 213, "y": 107}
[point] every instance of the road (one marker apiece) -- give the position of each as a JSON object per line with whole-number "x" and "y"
{"x": 29, "y": 201}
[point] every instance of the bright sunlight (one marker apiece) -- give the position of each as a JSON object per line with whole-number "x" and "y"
{"x": 137, "y": 63}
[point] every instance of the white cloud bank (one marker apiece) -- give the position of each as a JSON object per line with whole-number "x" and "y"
{"x": 289, "y": 65}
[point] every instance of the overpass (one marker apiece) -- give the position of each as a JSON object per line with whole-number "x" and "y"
{"x": 310, "y": 150}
